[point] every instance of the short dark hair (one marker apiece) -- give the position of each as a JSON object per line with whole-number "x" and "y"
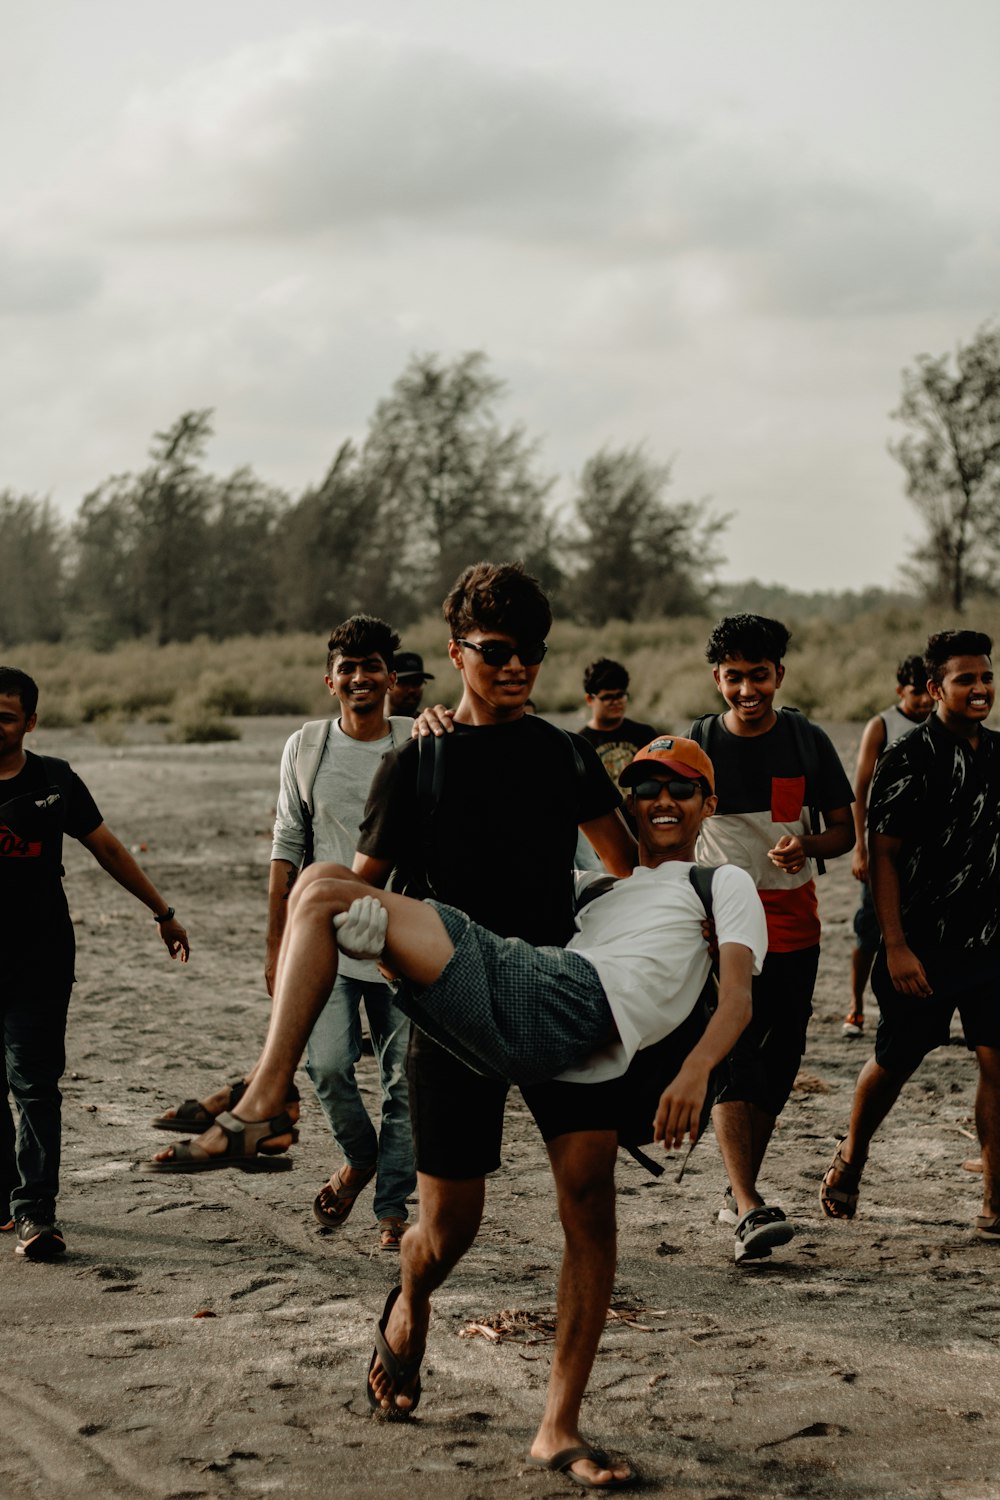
{"x": 754, "y": 637}
{"x": 604, "y": 673}
{"x": 912, "y": 672}
{"x": 948, "y": 643}
{"x": 17, "y": 684}
{"x": 498, "y": 596}
{"x": 362, "y": 635}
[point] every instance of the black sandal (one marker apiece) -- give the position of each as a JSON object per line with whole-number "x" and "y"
{"x": 246, "y": 1147}
{"x": 399, "y": 1371}
{"x": 192, "y": 1118}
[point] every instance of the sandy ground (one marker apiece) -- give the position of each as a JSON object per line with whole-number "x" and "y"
{"x": 204, "y": 1338}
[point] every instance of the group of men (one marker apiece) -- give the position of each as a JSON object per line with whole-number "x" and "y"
{"x": 589, "y": 994}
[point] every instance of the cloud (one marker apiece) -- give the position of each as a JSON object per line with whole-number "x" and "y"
{"x": 40, "y": 280}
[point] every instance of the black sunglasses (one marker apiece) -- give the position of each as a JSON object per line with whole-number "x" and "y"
{"x": 498, "y": 653}
{"x": 679, "y": 790}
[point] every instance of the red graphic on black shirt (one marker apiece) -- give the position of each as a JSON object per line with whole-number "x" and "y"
{"x": 14, "y": 846}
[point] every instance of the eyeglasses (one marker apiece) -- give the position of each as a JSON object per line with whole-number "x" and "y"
{"x": 498, "y": 653}
{"x": 612, "y": 697}
{"x": 679, "y": 790}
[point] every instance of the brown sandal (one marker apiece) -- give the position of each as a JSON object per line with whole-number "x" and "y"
{"x": 390, "y": 1232}
{"x": 335, "y": 1199}
{"x": 840, "y": 1202}
{"x": 192, "y": 1118}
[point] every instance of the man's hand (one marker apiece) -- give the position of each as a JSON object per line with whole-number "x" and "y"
{"x": 175, "y": 939}
{"x": 436, "y": 720}
{"x": 710, "y": 935}
{"x": 907, "y": 972}
{"x": 680, "y": 1106}
{"x": 361, "y": 928}
{"x": 859, "y": 862}
{"x": 788, "y": 854}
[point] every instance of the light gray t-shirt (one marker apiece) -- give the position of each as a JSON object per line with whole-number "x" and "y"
{"x": 340, "y": 791}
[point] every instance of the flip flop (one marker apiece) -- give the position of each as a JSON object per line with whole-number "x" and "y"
{"x": 192, "y": 1118}
{"x": 399, "y": 1371}
{"x": 560, "y": 1463}
{"x": 390, "y": 1233}
{"x": 335, "y": 1199}
{"x": 246, "y": 1148}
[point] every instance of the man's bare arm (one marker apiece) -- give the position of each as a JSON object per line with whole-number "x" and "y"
{"x": 871, "y": 747}
{"x": 281, "y": 878}
{"x": 612, "y": 842}
{"x": 112, "y": 856}
{"x": 905, "y": 969}
{"x": 374, "y": 871}
{"x": 681, "y": 1101}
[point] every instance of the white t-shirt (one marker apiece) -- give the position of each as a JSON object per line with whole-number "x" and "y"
{"x": 644, "y": 939}
{"x": 340, "y": 791}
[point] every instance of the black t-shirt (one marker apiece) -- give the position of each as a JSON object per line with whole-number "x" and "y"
{"x": 37, "y": 807}
{"x": 942, "y": 798}
{"x": 617, "y": 747}
{"x": 503, "y": 835}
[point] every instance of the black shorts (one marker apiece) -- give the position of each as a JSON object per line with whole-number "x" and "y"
{"x": 763, "y": 1064}
{"x": 457, "y": 1114}
{"x": 911, "y": 1025}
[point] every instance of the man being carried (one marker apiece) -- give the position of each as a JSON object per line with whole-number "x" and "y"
{"x": 915, "y": 703}
{"x": 771, "y": 768}
{"x": 934, "y": 836}
{"x": 628, "y": 980}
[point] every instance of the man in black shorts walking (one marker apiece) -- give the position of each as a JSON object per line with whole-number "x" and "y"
{"x": 934, "y": 848}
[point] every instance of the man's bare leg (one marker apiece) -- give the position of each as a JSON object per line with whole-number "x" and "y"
{"x": 450, "y": 1214}
{"x": 583, "y": 1165}
{"x": 417, "y": 945}
{"x": 988, "y": 1126}
{"x": 744, "y": 1133}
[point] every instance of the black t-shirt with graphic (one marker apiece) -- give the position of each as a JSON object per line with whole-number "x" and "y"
{"x": 942, "y": 798}
{"x": 503, "y": 835}
{"x": 616, "y": 749}
{"x": 37, "y": 807}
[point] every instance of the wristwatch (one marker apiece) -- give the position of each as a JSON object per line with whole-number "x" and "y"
{"x": 168, "y": 916}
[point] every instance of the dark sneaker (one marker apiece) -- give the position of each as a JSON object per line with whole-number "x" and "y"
{"x": 759, "y": 1231}
{"x": 39, "y": 1241}
{"x": 729, "y": 1213}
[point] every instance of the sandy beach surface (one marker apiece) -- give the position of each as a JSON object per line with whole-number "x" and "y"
{"x": 204, "y": 1337}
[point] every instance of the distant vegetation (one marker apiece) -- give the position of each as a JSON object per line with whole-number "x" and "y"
{"x": 837, "y": 669}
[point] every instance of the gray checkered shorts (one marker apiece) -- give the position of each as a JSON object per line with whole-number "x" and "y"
{"x": 507, "y": 1009}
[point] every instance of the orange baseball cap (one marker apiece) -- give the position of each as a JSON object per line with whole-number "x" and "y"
{"x": 684, "y": 757}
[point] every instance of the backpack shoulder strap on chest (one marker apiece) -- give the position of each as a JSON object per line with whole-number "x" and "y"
{"x": 701, "y": 728}
{"x": 308, "y": 754}
{"x": 701, "y": 877}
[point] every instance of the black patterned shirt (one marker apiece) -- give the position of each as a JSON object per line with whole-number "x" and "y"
{"x": 942, "y": 799}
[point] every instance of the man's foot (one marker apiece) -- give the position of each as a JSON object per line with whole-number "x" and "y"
{"x": 393, "y": 1381}
{"x": 759, "y": 1230}
{"x": 589, "y": 1467}
{"x": 854, "y": 1024}
{"x": 197, "y": 1115}
{"x": 729, "y": 1212}
{"x": 39, "y": 1239}
{"x": 337, "y": 1197}
{"x": 390, "y": 1233}
{"x": 838, "y": 1194}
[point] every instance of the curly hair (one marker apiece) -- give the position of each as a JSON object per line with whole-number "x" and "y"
{"x": 17, "y": 684}
{"x": 948, "y": 643}
{"x": 603, "y": 674}
{"x": 362, "y": 635}
{"x": 498, "y": 596}
{"x": 912, "y": 672}
{"x": 752, "y": 637}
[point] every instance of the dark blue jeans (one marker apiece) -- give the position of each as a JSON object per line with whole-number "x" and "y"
{"x": 33, "y": 1007}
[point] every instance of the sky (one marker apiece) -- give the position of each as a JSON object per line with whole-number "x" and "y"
{"x": 720, "y": 230}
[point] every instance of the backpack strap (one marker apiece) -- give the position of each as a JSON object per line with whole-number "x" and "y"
{"x": 701, "y": 877}
{"x": 700, "y": 730}
{"x": 804, "y": 736}
{"x": 595, "y": 888}
{"x": 308, "y": 754}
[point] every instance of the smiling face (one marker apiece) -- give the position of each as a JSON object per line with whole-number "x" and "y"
{"x": 748, "y": 688}
{"x": 492, "y": 694}
{"x": 14, "y": 725}
{"x": 965, "y": 694}
{"x": 360, "y": 683}
{"x": 667, "y": 825}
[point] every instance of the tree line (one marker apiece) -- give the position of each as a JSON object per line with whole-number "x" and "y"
{"x": 174, "y": 551}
